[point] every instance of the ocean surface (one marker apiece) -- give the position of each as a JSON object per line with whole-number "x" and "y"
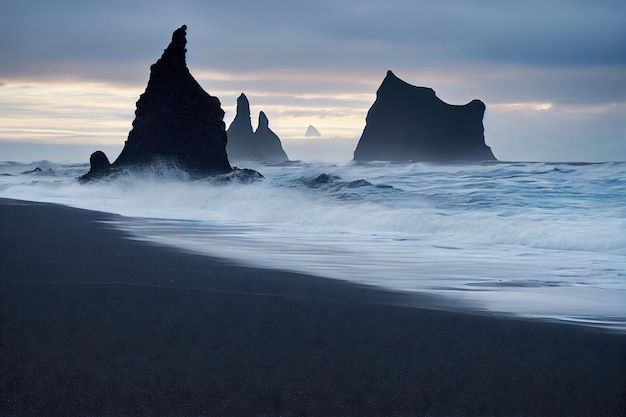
{"x": 536, "y": 240}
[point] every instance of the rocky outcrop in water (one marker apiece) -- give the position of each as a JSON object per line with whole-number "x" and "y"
{"x": 267, "y": 142}
{"x": 177, "y": 124}
{"x": 244, "y": 144}
{"x": 312, "y": 132}
{"x": 240, "y": 134}
{"x": 411, "y": 123}
{"x": 99, "y": 166}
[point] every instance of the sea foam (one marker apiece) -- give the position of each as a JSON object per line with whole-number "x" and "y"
{"x": 530, "y": 239}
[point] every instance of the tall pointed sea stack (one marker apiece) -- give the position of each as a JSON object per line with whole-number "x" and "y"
{"x": 268, "y": 142}
{"x": 177, "y": 124}
{"x": 246, "y": 145}
{"x": 240, "y": 134}
{"x": 411, "y": 123}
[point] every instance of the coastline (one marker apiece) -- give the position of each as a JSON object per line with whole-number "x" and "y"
{"x": 94, "y": 323}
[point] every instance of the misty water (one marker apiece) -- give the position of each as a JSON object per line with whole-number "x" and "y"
{"x": 536, "y": 240}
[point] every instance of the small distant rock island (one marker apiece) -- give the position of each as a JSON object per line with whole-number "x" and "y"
{"x": 246, "y": 145}
{"x": 312, "y": 132}
{"x": 409, "y": 123}
{"x": 177, "y": 124}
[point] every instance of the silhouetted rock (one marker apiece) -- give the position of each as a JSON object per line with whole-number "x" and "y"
{"x": 240, "y": 135}
{"x": 322, "y": 179}
{"x": 312, "y": 132}
{"x": 411, "y": 123}
{"x": 177, "y": 124}
{"x": 99, "y": 166}
{"x": 325, "y": 178}
{"x": 240, "y": 175}
{"x": 267, "y": 142}
{"x": 244, "y": 144}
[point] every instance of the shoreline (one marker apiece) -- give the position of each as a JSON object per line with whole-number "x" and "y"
{"x": 94, "y": 323}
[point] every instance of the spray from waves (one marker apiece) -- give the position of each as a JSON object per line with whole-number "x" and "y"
{"x": 531, "y": 205}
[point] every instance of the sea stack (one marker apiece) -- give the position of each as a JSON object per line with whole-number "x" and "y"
{"x": 268, "y": 142}
{"x": 409, "y": 123}
{"x": 240, "y": 134}
{"x": 177, "y": 124}
{"x": 312, "y": 132}
{"x": 246, "y": 145}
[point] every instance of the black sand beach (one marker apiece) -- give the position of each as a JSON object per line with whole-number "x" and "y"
{"x": 95, "y": 324}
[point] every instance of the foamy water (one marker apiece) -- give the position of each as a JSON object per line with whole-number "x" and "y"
{"x": 530, "y": 239}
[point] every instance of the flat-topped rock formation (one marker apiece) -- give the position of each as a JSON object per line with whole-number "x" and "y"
{"x": 177, "y": 124}
{"x": 409, "y": 123}
{"x": 248, "y": 145}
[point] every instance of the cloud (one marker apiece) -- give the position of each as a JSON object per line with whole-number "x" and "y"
{"x": 524, "y": 51}
{"x": 229, "y": 35}
{"x": 310, "y": 62}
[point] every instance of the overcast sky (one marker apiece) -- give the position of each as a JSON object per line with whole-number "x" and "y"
{"x": 551, "y": 73}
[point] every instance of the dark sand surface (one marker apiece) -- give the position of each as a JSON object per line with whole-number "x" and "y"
{"x": 95, "y": 324}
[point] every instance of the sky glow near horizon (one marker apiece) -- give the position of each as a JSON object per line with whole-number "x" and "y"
{"x": 553, "y": 76}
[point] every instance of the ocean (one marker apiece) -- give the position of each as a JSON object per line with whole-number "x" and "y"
{"x": 528, "y": 239}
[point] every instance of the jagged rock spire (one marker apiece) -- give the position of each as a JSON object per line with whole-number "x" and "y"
{"x": 177, "y": 122}
{"x": 242, "y": 123}
{"x": 174, "y": 54}
{"x": 267, "y": 142}
{"x": 244, "y": 144}
{"x": 241, "y": 145}
{"x": 263, "y": 122}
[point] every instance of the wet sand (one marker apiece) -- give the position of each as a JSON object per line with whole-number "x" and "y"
{"x": 93, "y": 323}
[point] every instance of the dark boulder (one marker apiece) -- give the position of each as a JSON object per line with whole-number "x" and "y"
{"x": 409, "y": 123}
{"x": 99, "y": 166}
{"x": 177, "y": 124}
{"x": 244, "y": 144}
